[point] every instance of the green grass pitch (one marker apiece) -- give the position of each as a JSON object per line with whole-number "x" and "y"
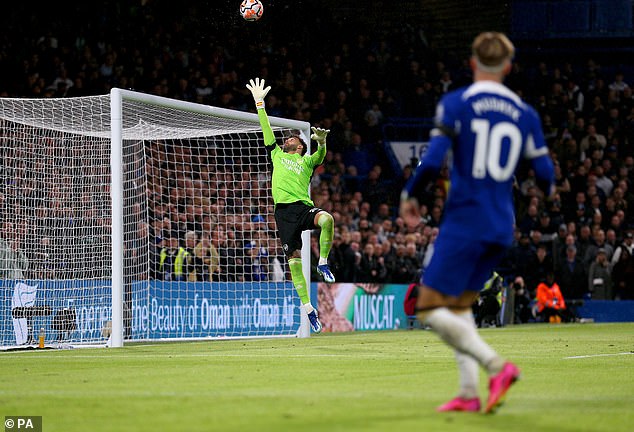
{"x": 575, "y": 377}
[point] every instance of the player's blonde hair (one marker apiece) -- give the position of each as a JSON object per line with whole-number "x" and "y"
{"x": 492, "y": 51}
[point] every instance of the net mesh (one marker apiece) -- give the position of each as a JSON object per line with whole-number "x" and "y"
{"x": 201, "y": 256}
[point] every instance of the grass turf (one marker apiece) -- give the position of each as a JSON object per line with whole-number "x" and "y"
{"x": 574, "y": 378}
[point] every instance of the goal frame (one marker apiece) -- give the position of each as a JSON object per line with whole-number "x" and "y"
{"x": 117, "y": 97}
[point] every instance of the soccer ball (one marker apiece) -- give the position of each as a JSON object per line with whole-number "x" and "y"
{"x": 251, "y": 10}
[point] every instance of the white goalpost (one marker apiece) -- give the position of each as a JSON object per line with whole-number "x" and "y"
{"x": 133, "y": 217}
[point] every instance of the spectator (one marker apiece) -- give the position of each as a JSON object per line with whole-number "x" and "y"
{"x": 382, "y": 214}
{"x": 486, "y": 308}
{"x": 351, "y": 268}
{"x": 521, "y": 300}
{"x": 385, "y": 230}
{"x": 372, "y": 266}
{"x": 388, "y": 253}
{"x": 278, "y": 270}
{"x": 44, "y": 261}
{"x": 572, "y": 275}
{"x": 208, "y": 257}
{"x": 336, "y": 254}
{"x": 551, "y": 306}
{"x": 623, "y": 276}
{"x": 603, "y": 182}
{"x": 546, "y": 227}
{"x": 540, "y": 264}
{"x": 562, "y": 185}
{"x": 519, "y": 255}
{"x": 581, "y": 213}
{"x": 226, "y": 255}
{"x": 257, "y": 260}
{"x": 530, "y": 181}
{"x": 536, "y": 239}
{"x": 337, "y": 185}
{"x": 530, "y": 221}
{"x": 578, "y": 182}
{"x": 558, "y": 245}
{"x": 172, "y": 261}
{"x": 359, "y": 155}
{"x": 202, "y": 91}
{"x": 404, "y": 269}
{"x": 611, "y": 239}
{"x": 598, "y": 242}
{"x": 592, "y": 141}
{"x": 600, "y": 277}
{"x": 555, "y": 213}
{"x": 375, "y": 190}
{"x": 584, "y": 241}
{"x": 619, "y": 85}
{"x": 628, "y": 244}
{"x": 13, "y": 260}
{"x": 596, "y": 207}
{"x": 193, "y": 264}
{"x": 575, "y": 96}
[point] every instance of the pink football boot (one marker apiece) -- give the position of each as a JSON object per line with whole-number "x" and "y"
{"x": 460, "y": 404}
{"x": 499, "y": 385}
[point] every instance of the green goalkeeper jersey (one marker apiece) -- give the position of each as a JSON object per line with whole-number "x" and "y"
{"x": 291, "y": 172}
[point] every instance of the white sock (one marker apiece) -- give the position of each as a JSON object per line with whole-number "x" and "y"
{"x": 308, "y": 307}
{"x": 462, "y": 336}
{"x": 322, "y": 261}
{"x": 468, "y": 367}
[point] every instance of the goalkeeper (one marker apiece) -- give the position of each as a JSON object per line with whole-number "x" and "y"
{"x": 294, "y": 210}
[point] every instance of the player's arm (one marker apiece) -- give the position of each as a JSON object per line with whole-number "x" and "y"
{"x": 257, "y": 89}
{"x": 537, "y": 151}
{"x": 427, "y": 170}
{"x": 319, "y": 136}
{"x": 430, "y": 165}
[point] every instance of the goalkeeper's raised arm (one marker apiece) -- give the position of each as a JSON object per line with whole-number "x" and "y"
{"x": 294, "y": 210}
{"x": 319, "y": 136}
{"x": 259, "y": 92}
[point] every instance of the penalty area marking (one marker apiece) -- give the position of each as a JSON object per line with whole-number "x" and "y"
{"x": 598, "y": 355}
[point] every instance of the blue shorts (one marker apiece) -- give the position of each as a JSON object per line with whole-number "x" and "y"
{"x": 460, "y": 264}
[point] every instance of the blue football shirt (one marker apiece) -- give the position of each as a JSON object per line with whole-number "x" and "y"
{"x": 487, "y": 129}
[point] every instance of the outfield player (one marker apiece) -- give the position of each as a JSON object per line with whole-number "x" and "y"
{"x": 488, "y": 129}
{"x": 294, "y": 210}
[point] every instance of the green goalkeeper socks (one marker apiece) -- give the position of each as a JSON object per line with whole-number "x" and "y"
{"x": 327, "y": 225}
{"x": 299, "y": 281}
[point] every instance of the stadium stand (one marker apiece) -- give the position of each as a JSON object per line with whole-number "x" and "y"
{"x": 366, "y": 86}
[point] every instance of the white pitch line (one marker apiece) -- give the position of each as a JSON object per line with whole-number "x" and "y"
{"x": 599, "y": 355}
{"x": 220, "y": 355}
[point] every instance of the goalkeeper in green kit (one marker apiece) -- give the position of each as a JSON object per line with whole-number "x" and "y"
{"x": 294, "y": 210}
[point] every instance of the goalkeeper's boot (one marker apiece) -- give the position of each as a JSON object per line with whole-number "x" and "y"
{"x": 315, "y": 324}
{"x": 325, "y": 272}
{"x": 499, "y": 385}
{"x": 461, "y": 404}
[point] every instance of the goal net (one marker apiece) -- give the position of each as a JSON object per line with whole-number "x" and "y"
{"x": 136, "y": 217}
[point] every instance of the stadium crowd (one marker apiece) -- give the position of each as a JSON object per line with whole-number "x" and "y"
{"x": 353, "y": 85}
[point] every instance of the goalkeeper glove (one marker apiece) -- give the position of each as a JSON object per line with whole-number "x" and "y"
{"x": 258, "y": 91}
{"x": 319, "y": 135}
